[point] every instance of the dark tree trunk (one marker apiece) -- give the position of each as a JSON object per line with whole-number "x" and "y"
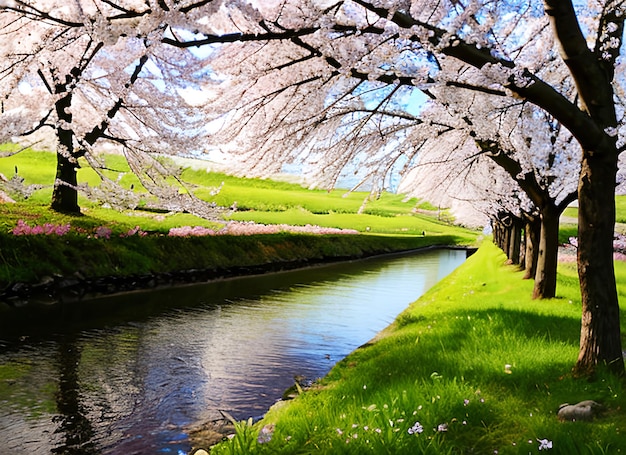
{"x": 600, "y": 341}
{"x": 547, "y": 257}
{"x": 65, "y": 192}
{"x": 515, "y": 241}
{"x": 531, "y": 235}
{"x": 506, "y": 245}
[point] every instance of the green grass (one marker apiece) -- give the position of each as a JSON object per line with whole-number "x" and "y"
{"x": 260, "y": 200}
{"x": 444, "y": 362}
{"x": 400, "y": 224}
{"x": 39, "y": 167}
{"x": 272, "y": 196}
{"x": 263, "y": 201}
{"x": 620, "y": 208}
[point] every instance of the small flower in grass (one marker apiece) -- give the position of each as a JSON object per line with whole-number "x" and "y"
{"x": 465, "y": 402}
{"x": 339, "y": 432}
{"x": 417, "y": 428}
{"x": 544, "y": 444}
{"x": 265, "y": 434}
{"x": 134, "y": 231}
{"x": 442, "y": 427}
{"x": 102, "y": 232}
{"x": 507, "y": 369}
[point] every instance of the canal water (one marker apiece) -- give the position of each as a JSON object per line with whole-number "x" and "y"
{"x": 133, "y": 373}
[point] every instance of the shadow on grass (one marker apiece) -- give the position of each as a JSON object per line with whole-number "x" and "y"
{"x": 511, "y": 348}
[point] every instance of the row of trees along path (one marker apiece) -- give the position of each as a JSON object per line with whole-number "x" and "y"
{"x": 376, "y": 86}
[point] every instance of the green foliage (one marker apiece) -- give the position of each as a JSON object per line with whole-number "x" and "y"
{"x": 481, "y": 366}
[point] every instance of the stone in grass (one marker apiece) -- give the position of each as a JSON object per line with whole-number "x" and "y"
{"x": 585, "y": 410}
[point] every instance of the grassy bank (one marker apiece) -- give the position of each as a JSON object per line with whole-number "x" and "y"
{"x": 31, "y": 258}
{"x": 388, "y": 224}
{"x": 474, "y": 366}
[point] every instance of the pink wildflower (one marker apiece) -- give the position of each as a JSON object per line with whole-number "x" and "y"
{"x": 22, "y": 228}
{"x": 102, "y": 232}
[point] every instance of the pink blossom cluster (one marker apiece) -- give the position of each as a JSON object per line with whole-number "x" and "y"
{"x": 23, "y": 228}
{"x": 619, "y": 243}
{"x": 312, "y": 229}
{"x": 255, "y": 229}
{"x": 134, "y": 231}
{"x": 619, "y": 246}
{"x": 232, "y": 228}
{"x": 102, "y": 232}
{"x": 188, "y": 231}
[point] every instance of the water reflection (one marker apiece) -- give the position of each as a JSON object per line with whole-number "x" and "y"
{"x": 134, "y": 379}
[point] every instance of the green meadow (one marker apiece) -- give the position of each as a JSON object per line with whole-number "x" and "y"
{"x": 260, "y": 200}
{"x": 388, "y": 223}
{"x": 474, "y": 366}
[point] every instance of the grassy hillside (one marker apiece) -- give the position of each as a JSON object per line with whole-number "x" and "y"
{"x": 259, "y": 200}
{"x": 33, "y": 257}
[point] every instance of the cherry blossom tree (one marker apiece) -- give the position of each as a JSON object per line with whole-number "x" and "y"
{"x": 492, "y": 174}
{"x": 95, "y": 73}
{"x": 500, "y": 49}
{"x": 301, "y": 67}
{"x": 368, "y": 124}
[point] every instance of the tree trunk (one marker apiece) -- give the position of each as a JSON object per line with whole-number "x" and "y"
{"x": 65, "y": 193}
{"x": 547, "y": 258}
{"x": 532, "y": 234}
{"x": 506, "y": 246}
{"x": 515, "y": 241}
{"x": 600, "y": 341}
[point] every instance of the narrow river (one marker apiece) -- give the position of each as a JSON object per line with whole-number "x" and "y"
{"x": 133, "y": 378}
